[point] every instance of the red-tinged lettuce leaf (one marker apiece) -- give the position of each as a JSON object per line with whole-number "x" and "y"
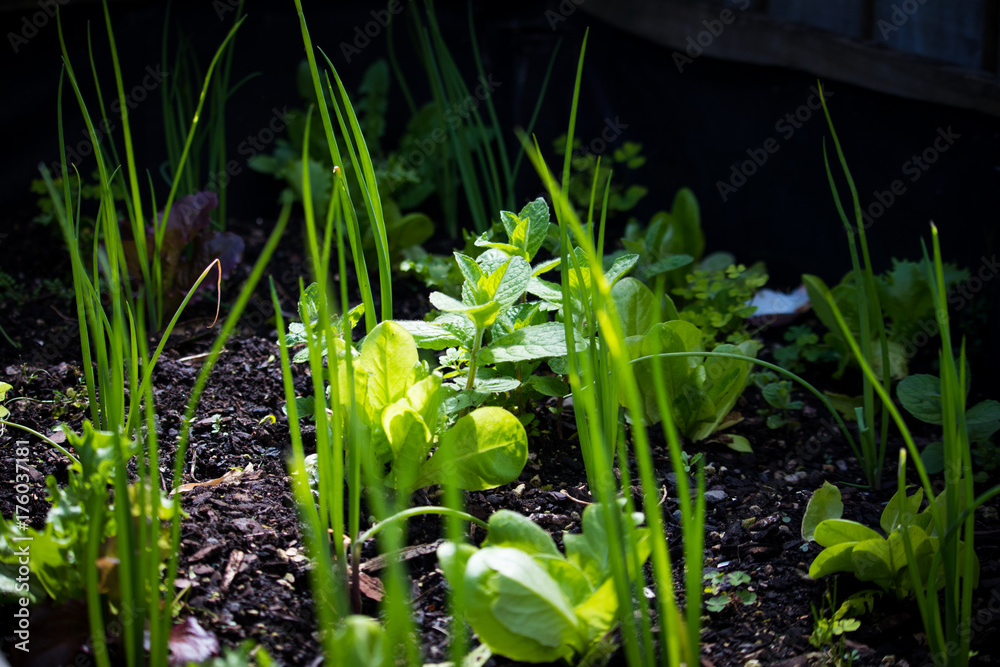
{"x": 208, "y": 247}
{"x": 189, "y": 642}
{"x": 188, "y": 247}
{"x": 188, "y": 217}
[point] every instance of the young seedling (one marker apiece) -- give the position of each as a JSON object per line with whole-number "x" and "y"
{"x": 726, "y": 588}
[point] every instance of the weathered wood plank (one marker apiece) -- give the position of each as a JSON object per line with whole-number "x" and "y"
{"x": 951, "y": 32}
{"x": 689, "y": 29}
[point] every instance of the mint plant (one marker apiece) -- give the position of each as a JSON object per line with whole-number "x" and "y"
{"x": 494, "y": 300}
{"x": 528, "y": 601}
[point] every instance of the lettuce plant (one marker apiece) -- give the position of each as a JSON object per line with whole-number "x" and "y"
{"x": 853, "y": 547}
{"x": 403, "y": 406}
{"x": 528, "y": 601}
{"x": 702, "y": 390}
{"x": 187, "y": 246}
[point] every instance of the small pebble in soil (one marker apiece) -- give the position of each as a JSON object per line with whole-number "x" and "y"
{"x": 715, "y": 496}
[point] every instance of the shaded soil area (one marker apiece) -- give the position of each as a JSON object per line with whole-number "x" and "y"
{"x": 242, "y": 566}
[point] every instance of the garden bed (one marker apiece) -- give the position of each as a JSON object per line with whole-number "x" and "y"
{"x": 242, "y": 553}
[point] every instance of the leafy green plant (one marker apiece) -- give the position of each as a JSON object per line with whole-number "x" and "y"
{"x": 952, "y": 510}
{"x": 493, "y": 299}
{"x": 864, "y": 306}
{"x": 850, "y": 546}
{"x": 778, "y": 394}
{"x": 529, "y": 602}
{"x": 672, "y": 240}
{"x": 4, "y": 388}
{"x": 401, "y": 403}
{"x": 186, "y": 246}
{"x": 59, "y": 564}
{"x": 906, "y": 298}
{"x": 802, "y": 347}
{"x": 588, "y": 169}
{"x": 832, "y": 623}
{"x": 717, "y": 302}
{"x": 921, "y": 396}
{"x": 727, "y": 588}
{"x": 702, "y": 389}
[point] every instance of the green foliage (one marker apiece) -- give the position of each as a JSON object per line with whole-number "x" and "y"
{"x": 361, "y": 642}
{"x": 672, "y": 240}
{"x": 726, "y": 588}
{"x": 59, "y": 562}
{"x": 778, "y": 394}
{"x": 4, "y": 388}
{"x": 702, "y": 390}
{"x": 245, "y": 655}
{"x": 493, "y": 300}
{"x": 831, "y": 623}
{"x": 89, "y": 190}
{"x": 803, "y": 346}
{"x": 406, "y": 409}
{"x": 921, "y": 396}
{"x": 907, "y": 303}
{"x": 402, "y": 183}
{"x": 850, "y": 546}
{"x": 717, "y": 301}
{"x": 588, "y": 170}
{"x": 529, "y": 602}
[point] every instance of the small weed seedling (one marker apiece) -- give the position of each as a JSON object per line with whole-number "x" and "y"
{"x": 778, "y": 394}
{"x": 802, "y": 346}
{"x": 831, "y": 623}
{"x": 726, "y": 588}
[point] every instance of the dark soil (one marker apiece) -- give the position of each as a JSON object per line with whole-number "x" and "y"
{"x": 241, "y": 559}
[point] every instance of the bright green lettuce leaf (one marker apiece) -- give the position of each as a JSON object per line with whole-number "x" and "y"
{"x": 833, "y": 559}
{"x": 510, "y": 529}
{"x": 836, "y": 531}
{"x": 389, "y": 356}
{"x": 484, "y": 449}
{"x": 410, "y": 441}
{"x": 892, "y": 514}
{"x": 360, "y": 642}
{"x": 517, "y": 609}
{"x": 635, "y": 305}
{"x": 872, "y": 561}
{"x": 825, "y": 503}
